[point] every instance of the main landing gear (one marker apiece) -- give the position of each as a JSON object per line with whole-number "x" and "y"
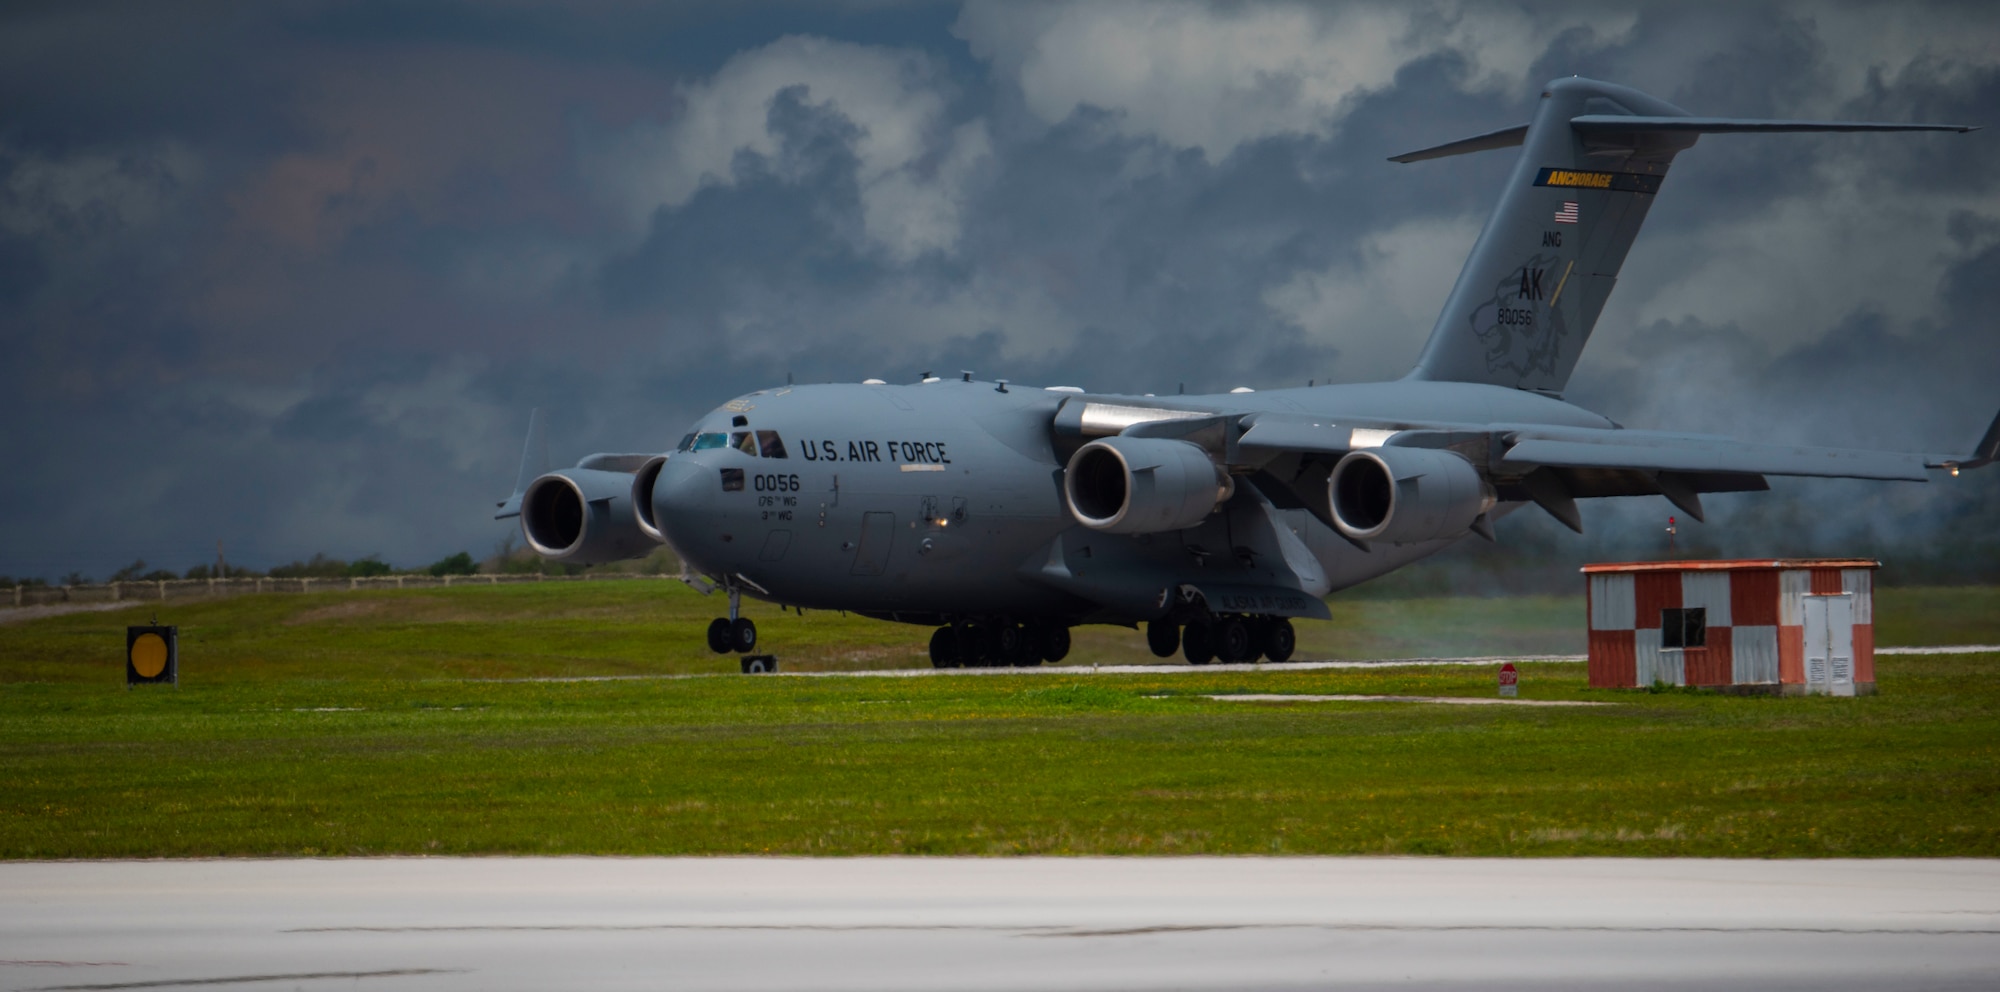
{"x": 999, "y": 644}
{"x": 1230, "y": 639}
{"x": 734, "y": 632}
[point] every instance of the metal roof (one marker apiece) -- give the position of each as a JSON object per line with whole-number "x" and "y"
{"x": 1729, "y": 565}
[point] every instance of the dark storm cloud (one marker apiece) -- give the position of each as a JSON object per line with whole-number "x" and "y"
{"x": 292, "y": 274}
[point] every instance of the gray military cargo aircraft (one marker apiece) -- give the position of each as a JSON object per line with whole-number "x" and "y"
{"x": 1003, "y": 515}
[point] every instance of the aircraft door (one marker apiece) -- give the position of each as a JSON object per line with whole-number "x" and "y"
{"x": 878, "y": 533}
{"x": 1829, "y": 623}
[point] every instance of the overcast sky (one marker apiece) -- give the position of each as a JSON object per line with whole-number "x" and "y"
{"x": 291, "y": 275}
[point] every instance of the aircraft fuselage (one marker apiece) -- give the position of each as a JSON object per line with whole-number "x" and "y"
{"x": 912, "y": 501}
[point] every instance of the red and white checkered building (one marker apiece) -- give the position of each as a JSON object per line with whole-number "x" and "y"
{"x": 1795, "y": 625}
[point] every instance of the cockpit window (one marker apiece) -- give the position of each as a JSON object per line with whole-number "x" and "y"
{"x": 687, "y": 443}
{"x": 745, "y": 442}
{"x": 770, "y": 445}
{"x": 703, "y": 442}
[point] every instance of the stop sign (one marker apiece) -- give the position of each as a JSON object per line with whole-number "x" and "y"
{"x": 1510, "y": 680}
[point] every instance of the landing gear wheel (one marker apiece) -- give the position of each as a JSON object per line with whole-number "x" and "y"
{"x": 944, "y": 648}
{"x": 1055, "y": 643}
{"x": 1279, "y": 639}
{"x": 743, "y": 635}
{"x": 719, "y": 635}
{"x": 975, "y": 647}
{"x": 1232, "y": 642}
{"x": 1196, "y": 644}
{"x": 1006, "y": 643}
{"x": 1163, "y": 637}
{"x": 1028, "y": 649}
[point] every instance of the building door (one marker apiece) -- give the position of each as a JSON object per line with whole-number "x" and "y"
{"x": 878, "y": 531}
{"x": 1830, "y": 645}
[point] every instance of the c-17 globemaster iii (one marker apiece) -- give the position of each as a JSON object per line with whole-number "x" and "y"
{"x": 1003, "y": 515}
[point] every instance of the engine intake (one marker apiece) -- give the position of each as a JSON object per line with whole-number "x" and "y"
{"x": 642, "y": 497}
{"x": 1133, "y": 485}
{"x": 1406, "y": 495}
{"x": 583, "y": 516}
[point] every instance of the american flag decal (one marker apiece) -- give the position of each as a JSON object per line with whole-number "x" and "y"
{"x": 1567, "y": 215}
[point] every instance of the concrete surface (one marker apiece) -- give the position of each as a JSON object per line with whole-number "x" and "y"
{"x": 865, "y": 923}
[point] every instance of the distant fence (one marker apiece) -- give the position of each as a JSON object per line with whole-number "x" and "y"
{"x": 140, "y": 591}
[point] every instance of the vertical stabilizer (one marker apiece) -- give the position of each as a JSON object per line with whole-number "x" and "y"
{"x": 1538, "y": 276}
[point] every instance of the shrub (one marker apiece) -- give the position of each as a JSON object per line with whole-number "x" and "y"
{"x": 458, "y": 564}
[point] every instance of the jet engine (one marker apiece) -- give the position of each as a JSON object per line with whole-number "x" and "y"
{"x": 583, "y": 516}
{"x": 1405, "y": 495}
{"x": 642, "y": 497}
{"x": 1135, "y": 485}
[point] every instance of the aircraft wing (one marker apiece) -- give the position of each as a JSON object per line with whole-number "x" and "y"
{"x": 535, "y": 462}
{"x": 1523, "y": 448}
{"x": 1554, "y": 466}
{"x": 1658, "y": 452}
{"x": 1619, "y": 449}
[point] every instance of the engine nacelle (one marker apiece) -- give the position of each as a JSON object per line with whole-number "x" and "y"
{"x": 583, "y": 516}
{"x": 1405, "y": 495}
{"x": 1139, "y": 485}
{"x": 642, "y": 498}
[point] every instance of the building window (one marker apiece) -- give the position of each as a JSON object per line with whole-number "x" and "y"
{"x": 1686, "y": 628}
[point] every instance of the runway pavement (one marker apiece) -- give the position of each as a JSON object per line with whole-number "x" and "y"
{"x": 1090, "y": 923}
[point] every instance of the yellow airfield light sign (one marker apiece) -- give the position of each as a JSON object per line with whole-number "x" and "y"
{"x": 152, "y": 655}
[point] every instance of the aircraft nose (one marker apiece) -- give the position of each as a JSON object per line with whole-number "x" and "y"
{"x": 682, "y": 497}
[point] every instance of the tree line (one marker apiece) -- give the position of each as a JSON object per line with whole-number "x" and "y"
{"x": 508, "y": 558}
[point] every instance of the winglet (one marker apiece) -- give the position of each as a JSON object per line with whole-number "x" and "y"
{"x": 534, "y": 462}
{"x": 1986, "y": 453}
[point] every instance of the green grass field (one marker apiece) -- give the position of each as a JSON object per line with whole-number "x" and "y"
{"x": 379, "y": 723}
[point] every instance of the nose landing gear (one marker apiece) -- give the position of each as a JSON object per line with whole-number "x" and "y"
{"x": 734, "y": 632}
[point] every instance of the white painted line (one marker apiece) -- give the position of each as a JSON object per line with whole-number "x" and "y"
{"x": 1173, "y": 668}
{"x": 1945, "y": 649}
{"x": 1279, "y": 697}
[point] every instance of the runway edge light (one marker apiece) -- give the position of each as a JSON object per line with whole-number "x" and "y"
{"x": 152, "y": 655}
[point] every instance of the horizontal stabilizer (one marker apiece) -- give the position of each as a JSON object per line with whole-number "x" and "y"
{"x": 1512, "y": 137}
{"x": 1506, "y": 137}
{"x": 1626, "y": 124}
